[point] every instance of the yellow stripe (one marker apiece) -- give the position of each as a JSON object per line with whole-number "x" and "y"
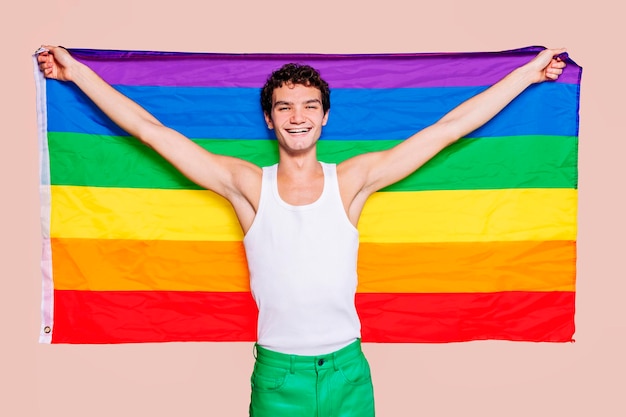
{"x": 470, "y": 216}
{"x": 424, "y": 216}
{"x": 144, "y": 214}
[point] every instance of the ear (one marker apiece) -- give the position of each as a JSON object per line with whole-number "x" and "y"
{"x": 268, "y": 121}
{"x": 325, "y": 119}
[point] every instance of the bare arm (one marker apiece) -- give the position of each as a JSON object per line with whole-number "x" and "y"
{"x": 230, "y": 177}
{"x": 363, "y": 175}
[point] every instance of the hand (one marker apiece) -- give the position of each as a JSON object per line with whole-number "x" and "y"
{"x": 56, "y": 63}
{"x": 546, "y": 66}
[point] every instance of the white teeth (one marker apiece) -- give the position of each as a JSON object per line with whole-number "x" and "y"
{"x": 298, "y": 130}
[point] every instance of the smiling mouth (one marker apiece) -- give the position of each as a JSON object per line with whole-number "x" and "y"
{"x": 300, "y": 130}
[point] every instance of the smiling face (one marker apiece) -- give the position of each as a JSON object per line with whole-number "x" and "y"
{"x": 297, "y": 117}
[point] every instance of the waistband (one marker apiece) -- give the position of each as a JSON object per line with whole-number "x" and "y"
{"x": 300, "y": 362}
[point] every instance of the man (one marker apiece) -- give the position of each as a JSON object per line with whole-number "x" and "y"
{"x": 299, "y": 219}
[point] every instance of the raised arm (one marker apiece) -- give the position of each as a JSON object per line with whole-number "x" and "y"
{"x": 363, "y": 175}
{"x": 233, "y": 178}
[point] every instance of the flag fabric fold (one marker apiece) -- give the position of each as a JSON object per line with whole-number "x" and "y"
{"x": 478, "y": 244}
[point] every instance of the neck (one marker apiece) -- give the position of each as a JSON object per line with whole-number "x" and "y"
{"x": 298, "y": 164}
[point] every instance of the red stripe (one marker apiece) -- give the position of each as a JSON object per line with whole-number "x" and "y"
{"x": 162, "y": 316}
{"x": 152, "y": 316}
{"x": 438, "y": 318}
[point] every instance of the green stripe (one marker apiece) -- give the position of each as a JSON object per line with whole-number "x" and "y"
{"x": 490, "y": 163}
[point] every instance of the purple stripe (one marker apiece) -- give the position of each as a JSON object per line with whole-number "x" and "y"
{"x": 341, "y": 71}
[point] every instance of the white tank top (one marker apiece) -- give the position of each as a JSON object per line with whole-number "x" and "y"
{"x": 302, "y": 262}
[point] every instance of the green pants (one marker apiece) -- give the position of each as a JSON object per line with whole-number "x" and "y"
{"x": 338, "y": 384}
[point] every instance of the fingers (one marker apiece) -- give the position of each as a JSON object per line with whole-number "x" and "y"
{"x": 553, "y": 74}
{"x": 43, "y": 55}
{"x": 542, "y": 64}
{"x": 48, "y": 50}
{"x": 46, "y": 62}
{"x": 51, "y": 59}
{"x": 562, "y": 56}
{"x": 555, "y": 67}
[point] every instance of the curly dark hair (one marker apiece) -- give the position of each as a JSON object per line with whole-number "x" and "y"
{"x": 294, "y": 74}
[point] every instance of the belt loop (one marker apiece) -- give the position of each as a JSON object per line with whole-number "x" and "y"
{"x": 292, "y": 364}
{"x": 335, "y": 365}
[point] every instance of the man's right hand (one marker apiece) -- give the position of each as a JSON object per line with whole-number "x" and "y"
{"x": 56, "y": 63}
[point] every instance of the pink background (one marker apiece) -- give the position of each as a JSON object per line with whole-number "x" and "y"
{"x": 193, "y": 379}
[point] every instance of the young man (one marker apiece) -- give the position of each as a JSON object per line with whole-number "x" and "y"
{"x": 299, "y": 219}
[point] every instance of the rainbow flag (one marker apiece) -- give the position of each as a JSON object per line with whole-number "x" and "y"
{"x": 478, "y": 244}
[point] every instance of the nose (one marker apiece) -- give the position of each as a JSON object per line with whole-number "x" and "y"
{"x": 297, "y": 116}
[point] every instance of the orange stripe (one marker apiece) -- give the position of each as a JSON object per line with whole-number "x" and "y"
{"x": 136, "y": 265}
{"x": 130, "y": 265}
{"x": 467, "y": 267}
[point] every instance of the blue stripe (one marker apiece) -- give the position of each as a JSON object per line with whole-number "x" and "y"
{"x": 356, "y": 114}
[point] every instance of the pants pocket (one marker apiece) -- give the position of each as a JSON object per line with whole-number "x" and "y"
{"x": 356, "y": 371}
{"x": 266, "y": 378}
